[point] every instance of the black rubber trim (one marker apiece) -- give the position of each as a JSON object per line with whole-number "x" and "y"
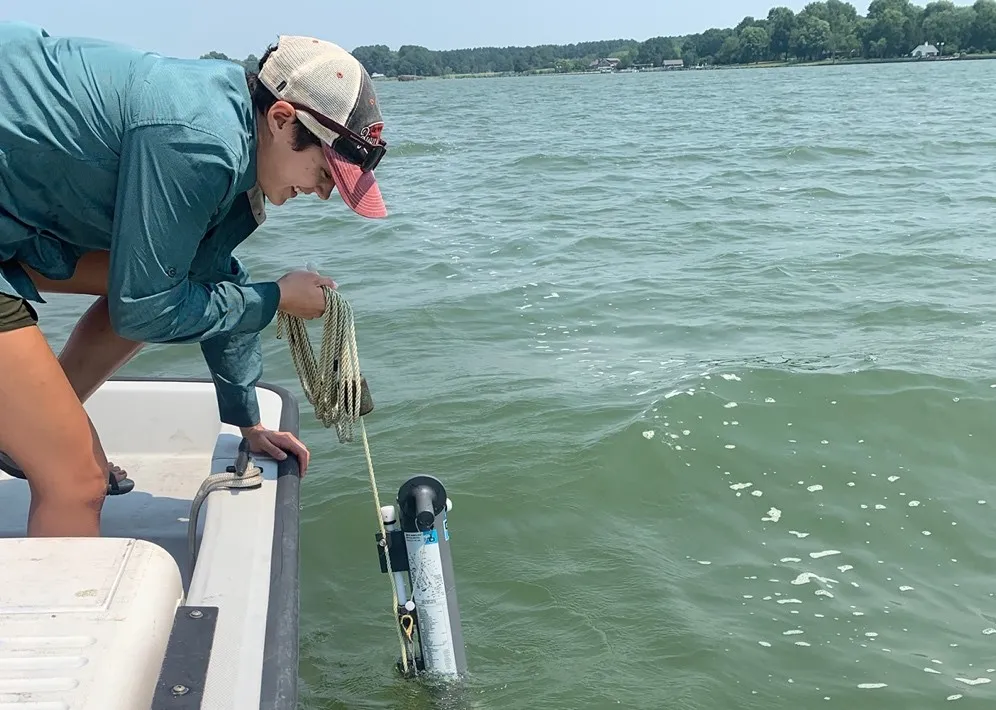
{"x": 278, "y": 685}
{"x": 183, "y": 675}
{"x": 278, "y": 688}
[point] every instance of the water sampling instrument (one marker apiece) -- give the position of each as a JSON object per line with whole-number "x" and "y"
{"x": 413, "y": 536}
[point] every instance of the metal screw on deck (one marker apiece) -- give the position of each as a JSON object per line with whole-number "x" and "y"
{"x": 180, "y": 690}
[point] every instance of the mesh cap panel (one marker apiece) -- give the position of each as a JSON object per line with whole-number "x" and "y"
{"x": 325, "y": 77}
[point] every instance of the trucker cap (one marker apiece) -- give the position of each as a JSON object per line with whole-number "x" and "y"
{"x": 324, "y": 77}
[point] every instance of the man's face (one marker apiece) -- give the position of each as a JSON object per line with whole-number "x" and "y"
{"x": 284, "y": 173}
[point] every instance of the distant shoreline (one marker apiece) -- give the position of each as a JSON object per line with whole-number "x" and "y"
{"x": 823, "y": 30}
{"x": 823, "y": 33}
{"x": 859, "y": 60}
{"x": 711, "y": 67}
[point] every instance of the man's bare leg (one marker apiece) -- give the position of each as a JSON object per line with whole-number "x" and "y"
{"x": 92, "y": 354}
{"x": 45, "y": 429}
{"x": 93, "y": 351}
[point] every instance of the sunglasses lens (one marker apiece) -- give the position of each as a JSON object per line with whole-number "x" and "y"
{"x": 373, "y": 158}
{"x": 359, "y": 154}
{"x": 350, "y": 150}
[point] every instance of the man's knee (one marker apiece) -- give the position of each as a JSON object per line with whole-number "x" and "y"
{"x": 71, "y": 487}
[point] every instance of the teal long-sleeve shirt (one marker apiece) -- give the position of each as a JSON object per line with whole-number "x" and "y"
{"x": 103, "y": 147}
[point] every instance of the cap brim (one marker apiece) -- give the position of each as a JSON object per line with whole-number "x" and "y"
{"x": 358, "y": 189}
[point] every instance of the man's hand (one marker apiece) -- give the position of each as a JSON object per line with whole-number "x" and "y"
{"x": 301, "y": 293}
{"x": 276, "y": 444}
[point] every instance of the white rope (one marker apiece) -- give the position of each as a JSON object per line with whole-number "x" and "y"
{"x": 252, "y": 478}
{"x": 332, "y": 385}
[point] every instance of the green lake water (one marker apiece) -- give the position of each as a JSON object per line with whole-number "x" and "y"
{"x": 707, "y": 362}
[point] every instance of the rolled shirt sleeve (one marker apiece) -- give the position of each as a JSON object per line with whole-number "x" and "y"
{"x": 234, "y": 360}
{"x": 236, "y": 365}
{"x": 174, "y": 183}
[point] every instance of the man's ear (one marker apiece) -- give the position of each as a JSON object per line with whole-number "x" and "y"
{"x": 280, "y": 115}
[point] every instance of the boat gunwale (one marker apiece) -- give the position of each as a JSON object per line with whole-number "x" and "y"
{"x": 279, "y": 677}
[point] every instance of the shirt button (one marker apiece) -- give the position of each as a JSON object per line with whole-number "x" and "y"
{"x": 171, "y": 272}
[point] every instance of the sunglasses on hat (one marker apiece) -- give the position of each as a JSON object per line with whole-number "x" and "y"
{"x": 351, "y": 146}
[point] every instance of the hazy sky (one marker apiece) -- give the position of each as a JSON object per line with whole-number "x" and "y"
{"x": 181, "y": 28}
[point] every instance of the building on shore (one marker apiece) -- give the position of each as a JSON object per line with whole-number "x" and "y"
{"x": 611, "y": 64}
{"x": 925, "y": 50}
{"x": 606, "y": 64}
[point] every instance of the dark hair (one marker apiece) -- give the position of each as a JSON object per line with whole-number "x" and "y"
{"x": 263, "y": 99}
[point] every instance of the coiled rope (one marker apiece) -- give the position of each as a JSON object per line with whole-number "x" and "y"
{"x": 331, "y": 382}
{"x": 333, "y": 386}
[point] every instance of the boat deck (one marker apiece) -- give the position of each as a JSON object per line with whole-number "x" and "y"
{"x": 167, "y": 436}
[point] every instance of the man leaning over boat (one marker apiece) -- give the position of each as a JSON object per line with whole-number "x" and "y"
{"x": 131, "y": 177}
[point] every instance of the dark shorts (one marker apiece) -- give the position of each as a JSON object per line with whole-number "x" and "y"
{"x": 15, "y": 313}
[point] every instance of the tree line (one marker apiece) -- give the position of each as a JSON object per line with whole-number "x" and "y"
{"x": 830, "y": 29}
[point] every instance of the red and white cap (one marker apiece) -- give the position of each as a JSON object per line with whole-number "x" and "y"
{"x": 328, "y": 79}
